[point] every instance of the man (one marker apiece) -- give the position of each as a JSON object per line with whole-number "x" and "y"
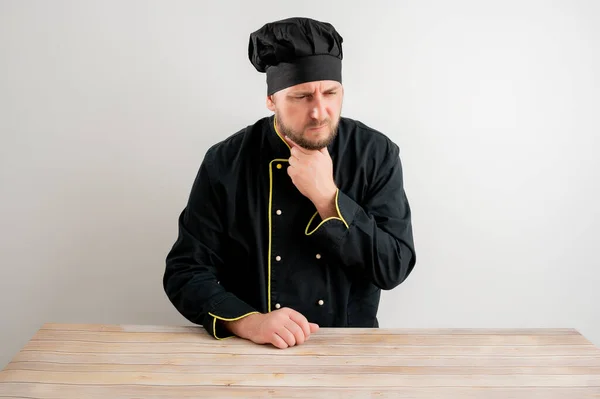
{"x": 299, "y": 220}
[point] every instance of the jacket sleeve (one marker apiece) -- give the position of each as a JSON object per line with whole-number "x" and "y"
{"x": 191, "y": 275}
{"x": 374, "y": 237}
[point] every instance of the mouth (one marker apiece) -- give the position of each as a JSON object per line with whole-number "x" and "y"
{"x": 317, "y": 128}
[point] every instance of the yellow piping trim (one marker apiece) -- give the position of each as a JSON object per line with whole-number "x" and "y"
{"x": 224, "y": 319}
{"x": 337, "y": 208}
{"x": 339, "y": 217}
{"x": 270, "y": 228}
{"x": 279, "y": 134}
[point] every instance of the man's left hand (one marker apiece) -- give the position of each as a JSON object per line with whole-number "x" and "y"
{"x": 312, "y": 174}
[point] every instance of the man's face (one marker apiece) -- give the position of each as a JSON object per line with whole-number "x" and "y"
{"x": 308, "y": 113}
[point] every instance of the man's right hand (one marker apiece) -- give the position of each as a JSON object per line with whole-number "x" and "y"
{"x": 282, "y": 328}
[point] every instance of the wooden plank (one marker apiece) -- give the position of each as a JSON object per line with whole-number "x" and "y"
{"x": 309, "y": 349}
{"x": 301, "y": 380}
{"x": 305, "y": 369}
{"x": 340, "y": 339}
{"x": 216, "y": 359}
{"x": 118, "y": 361}
{"x": 445, "y": 331}
{"x": 328, "y": 331}
{"x": 60, "y": 391}
{"x": 122, "y": 328}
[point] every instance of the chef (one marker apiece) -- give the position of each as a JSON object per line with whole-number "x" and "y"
{"x": 300, "y": 219}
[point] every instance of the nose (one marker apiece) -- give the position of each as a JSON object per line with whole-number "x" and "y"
{"x": 318, "y": 111}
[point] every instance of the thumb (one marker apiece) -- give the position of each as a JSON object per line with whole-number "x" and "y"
{"x": 313, "y": 327}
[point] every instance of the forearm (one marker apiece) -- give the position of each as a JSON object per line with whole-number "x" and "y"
{"x": 192, "y": 285}
{"x": 385, "y": 258}
{"x": 191, "y": 275}
{"x": 199, "y": 298}
{"x": 375, "y": 240}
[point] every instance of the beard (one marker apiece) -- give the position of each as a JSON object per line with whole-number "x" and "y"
{"x": 299, "y": 138}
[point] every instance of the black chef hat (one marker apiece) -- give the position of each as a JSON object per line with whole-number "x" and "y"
{"x": 296, "y": 50}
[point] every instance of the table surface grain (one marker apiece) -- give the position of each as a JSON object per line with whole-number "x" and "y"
{"x": 64, "y": 361}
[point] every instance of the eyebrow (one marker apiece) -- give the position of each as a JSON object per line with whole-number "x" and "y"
{"x": 308, "y": 93}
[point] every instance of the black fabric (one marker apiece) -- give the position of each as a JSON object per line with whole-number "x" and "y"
{"x": 307, "y": 69}
{"x": 296, "y": 50}
{"x": 224, "y": 262}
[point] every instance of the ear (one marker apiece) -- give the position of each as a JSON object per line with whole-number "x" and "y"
{"x": 270, "y": 103}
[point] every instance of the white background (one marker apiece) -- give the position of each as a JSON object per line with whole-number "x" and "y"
{"x": 107, "y": 109}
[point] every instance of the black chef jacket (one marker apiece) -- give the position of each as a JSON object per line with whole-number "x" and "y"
{"x": 250, "y": 242}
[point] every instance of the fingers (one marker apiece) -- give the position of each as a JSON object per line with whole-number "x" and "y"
{"x": 293, "y": 161}
{"x": 290, "y": 141}
{"x": 295, "y": 149}
{"x": 296, "y": 152}
{"x": 286, "y": 335}
{"x": 301, "y": 321}
{"x": 313, "y": 327}
{"x": 288, "y": 328}
{"x": 278, "y": 342}
{"x": 296, "y": 330}
{"x": 292, "y": 173}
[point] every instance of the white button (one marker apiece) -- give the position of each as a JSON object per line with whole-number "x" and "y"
{"x": 318, "y": 256}
{"x": 278, "y": 258}
{"x": 277, "y": 306}
{"x": 278, "y": 211}
{"x": 321, "y": 302}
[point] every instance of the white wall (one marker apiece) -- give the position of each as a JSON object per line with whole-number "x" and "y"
{"x": 107, "y": 108}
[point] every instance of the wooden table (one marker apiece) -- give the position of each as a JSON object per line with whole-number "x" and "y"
{"x": 109, "y": 361}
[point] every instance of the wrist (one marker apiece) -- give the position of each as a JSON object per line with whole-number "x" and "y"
{"x": 326, "y": 205}
{"x": 241, "y": 327}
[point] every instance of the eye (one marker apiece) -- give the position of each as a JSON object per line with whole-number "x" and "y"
{"x": 331, "y": 93}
